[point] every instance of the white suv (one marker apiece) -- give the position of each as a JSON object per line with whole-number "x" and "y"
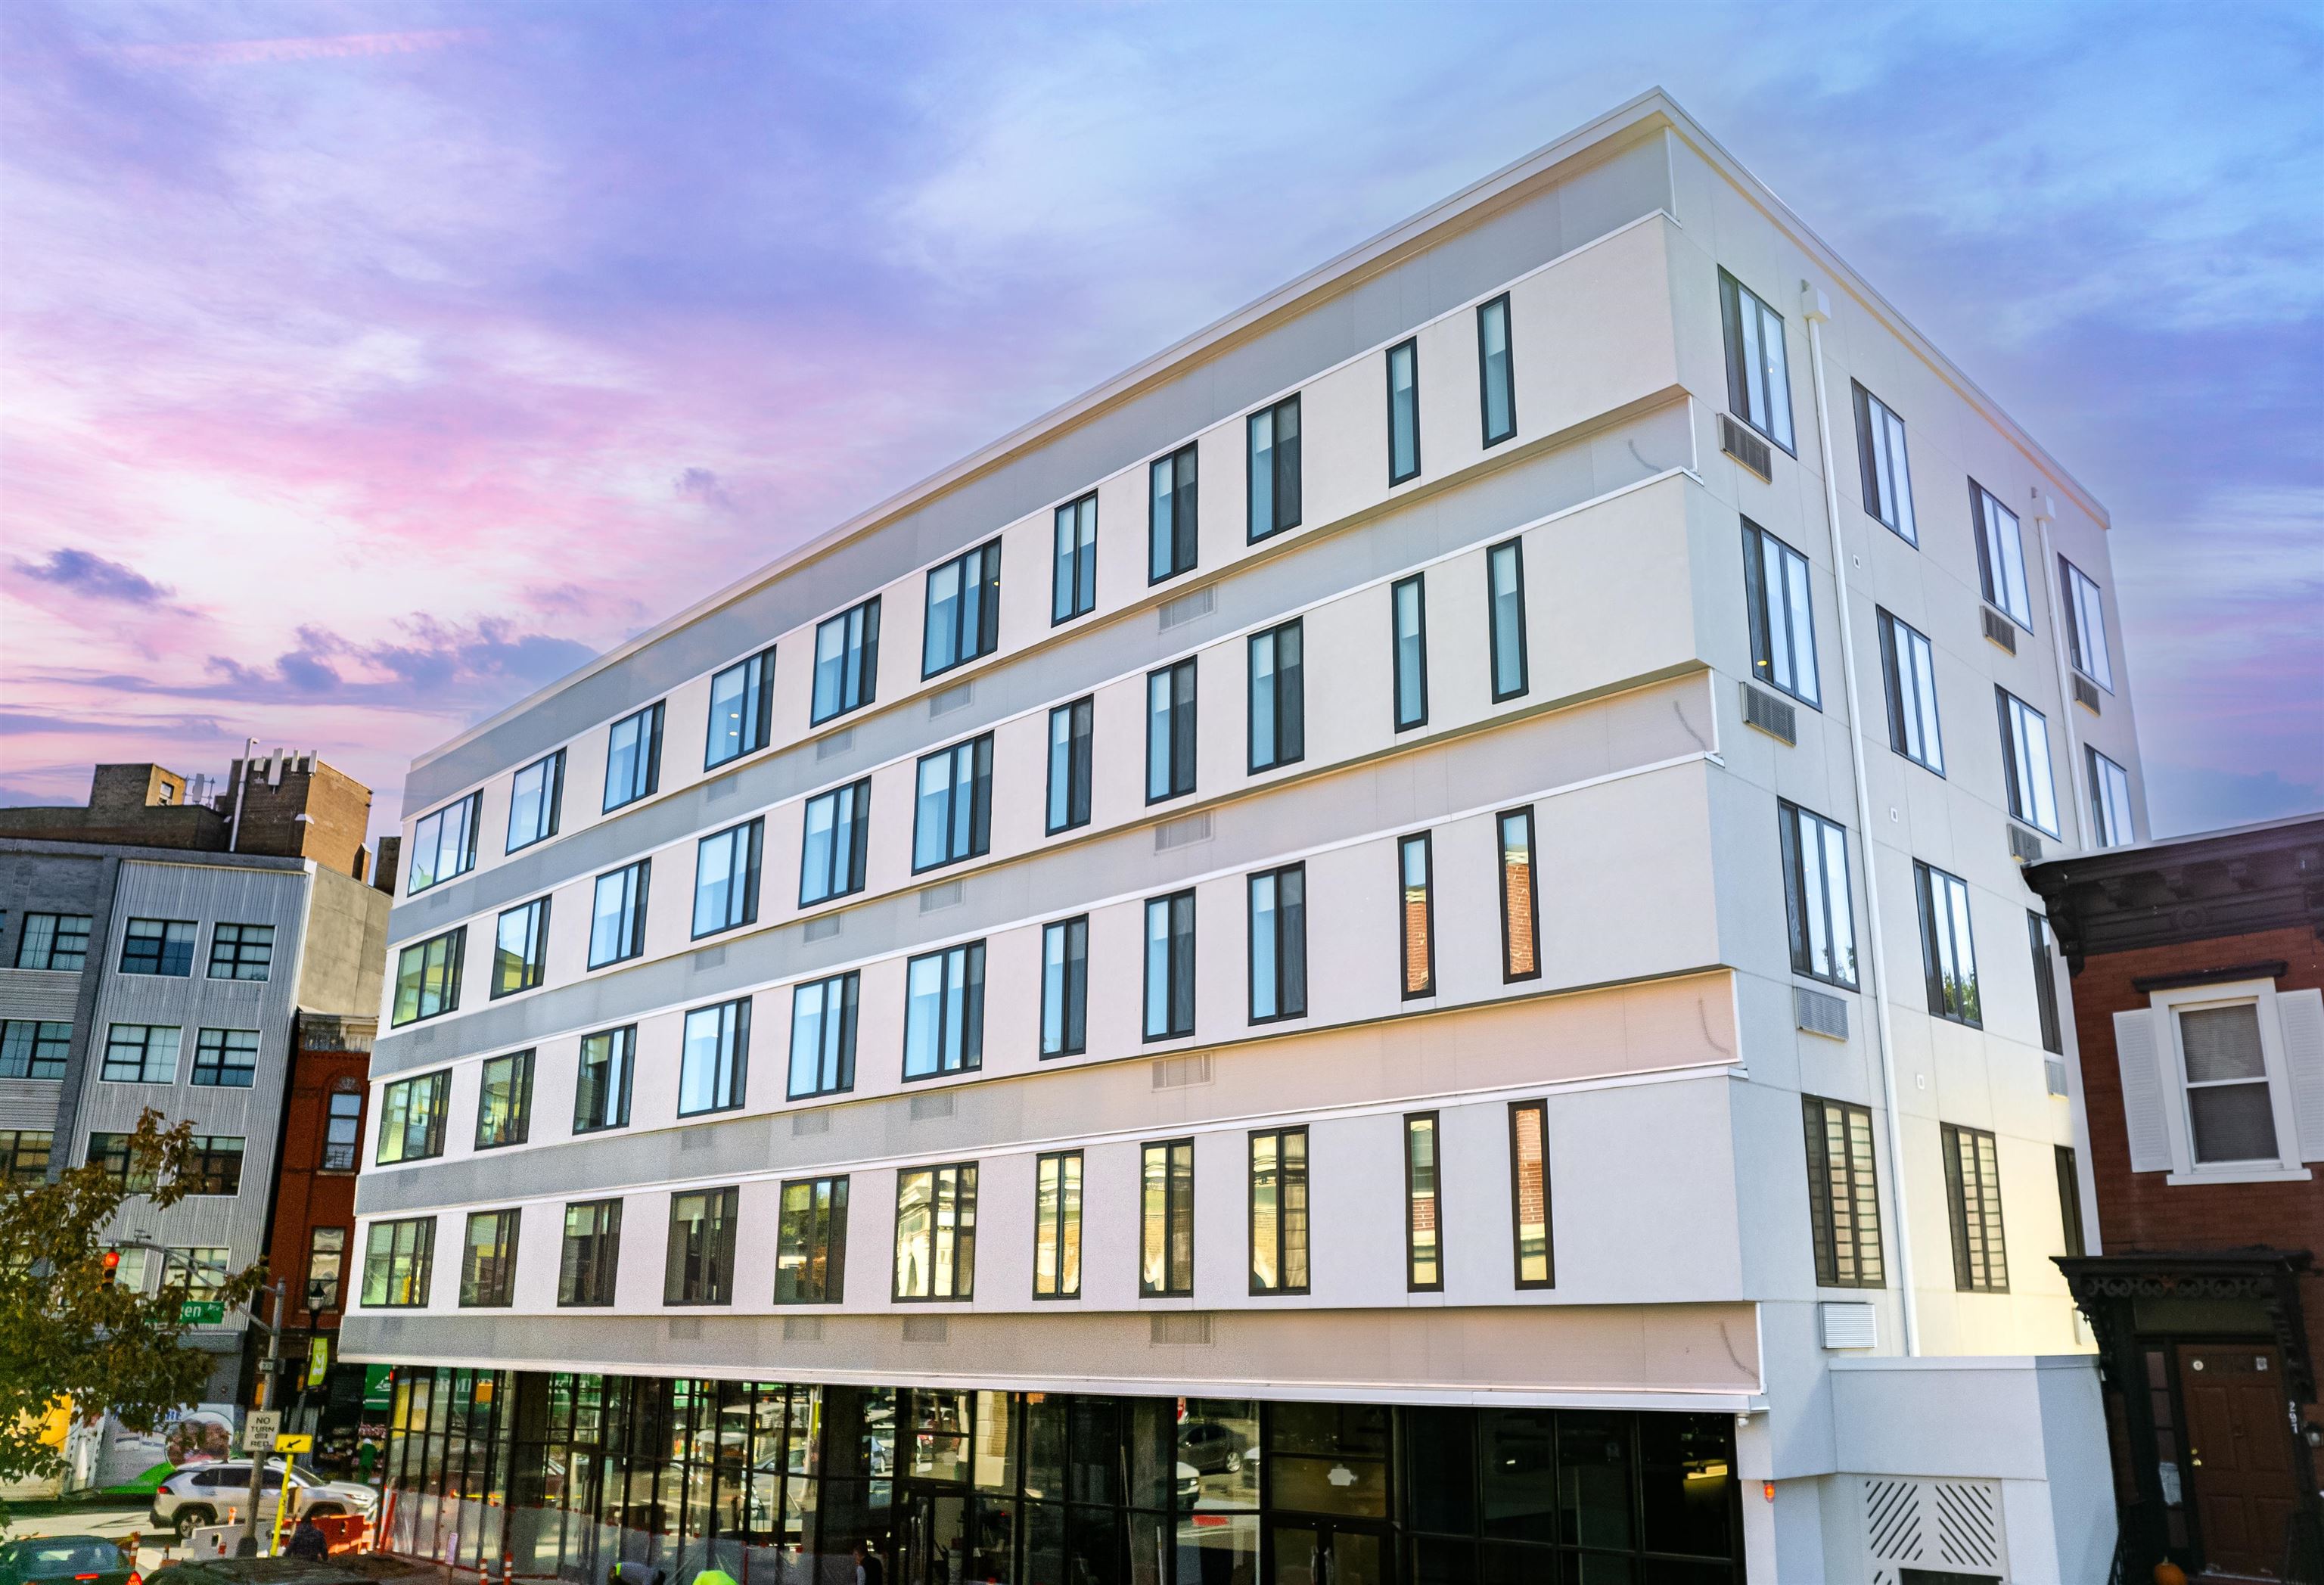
{"x": 202, "y": 1494}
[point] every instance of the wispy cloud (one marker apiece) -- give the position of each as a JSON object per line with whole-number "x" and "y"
{"x": 94, "y": 577}
{"x": 265, "y": 52}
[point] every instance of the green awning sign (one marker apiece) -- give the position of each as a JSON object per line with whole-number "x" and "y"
{"x": 202, "y": 1312}
{"x": 377, "y": 1393}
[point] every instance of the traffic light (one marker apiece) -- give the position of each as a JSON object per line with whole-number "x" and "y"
{"x": 112, "y": 1265}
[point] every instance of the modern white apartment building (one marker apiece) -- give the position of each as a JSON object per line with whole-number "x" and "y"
{"x": 1390, "y": 949}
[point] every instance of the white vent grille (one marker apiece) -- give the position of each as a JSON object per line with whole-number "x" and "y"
{"x": 1185, "y": 608}
{"x": 1179, "y": 1329}
{"x": 1770, "y": 715}
{"x": 1999, "y": 629}
{"x": 2086, "y": 694}
{"x": 810, "y": 1123}
{"x": 926, "y": 1329}
{"x": 1849, "y": 1324}
{"x": 1179, "y": 833}
{"x": 951, "y": 894}
{"x": 1178, "y": 1073}
{"x": 938, "y": 1104}
{"x": 822, "y": 929}
{"x": 838, "y": 742}
{"x": 1820, "y": 1014}
{"x": 802, "y": 1329}
{"x": 1939, "y": 1526}
{"x": 1736, "y": 440}
{"x": 2025, "y": 846}
{"x": 959, "y": 697}
{"x": 2054, "y": 1074}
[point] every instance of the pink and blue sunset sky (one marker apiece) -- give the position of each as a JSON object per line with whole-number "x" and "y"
{"x": 367, "y": 366}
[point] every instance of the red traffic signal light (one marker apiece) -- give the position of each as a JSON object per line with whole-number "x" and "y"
{"x": 112, "y": 1265}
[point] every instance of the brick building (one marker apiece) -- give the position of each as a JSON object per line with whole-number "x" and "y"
{"x": 2198, "y": 968}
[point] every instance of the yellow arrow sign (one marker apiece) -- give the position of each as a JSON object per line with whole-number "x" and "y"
{"x": 287, "y": 1444}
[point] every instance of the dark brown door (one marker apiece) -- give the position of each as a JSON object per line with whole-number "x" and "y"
{"x": 2239, "y": 1454}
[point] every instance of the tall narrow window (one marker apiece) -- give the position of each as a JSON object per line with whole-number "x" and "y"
{"x": 1782, "y": 619}
{"x": 833, "y": 846}
{"x": 1843, "y": 1197}
{"x": 1947, "y": 954}
{"x": 1424, "y": 1247}
{"x": 58, "y": 941}
{"x": 1170, "y": 966}
{"x": 2086, "y": 629}
{"x": 1170, "y": 732}
{"x": 536, "y": 798}
{"x": 1816, "y": 894}
{"x": 1274, "y": 453}
{"x": 2230, "y": 1108}
{"x": 846, "y": 662}
{"x": 1070, "y": 727}
{"x": 412, "y": 1113}
{"x": 1166, "y": 1257}
{"x": 2070, "y": 1201}
{"x": 444, "y": 843}
{"x": 1880, "y": 454}
{"x": 1536, "y": 1265}
{"x": 1973, "y": 1196}
{"x": 601, "y": 1090}
{"x": 634, "y": 757}
{"x": 1520, "y": 920}
{"x": 823, "y": 1036}
{"x": 811, "y": 1242}
{"x": 963, "y": 609}
{"x": 521, "y": 948}
{"x": 159, "y": 946}
{"x": 2110, "y": 816}
{"x": 1908, "y": 671}
{"x": 1408, "y": 616}
{"x": 1278, "y": 697}
{"x": 2000, "y": 557}
{"x": 1065, "y": 987}
{"x": 428, "y": 977}
{"x": 226, "y": 1059}
{"x": 1073, "y": 585}
{"x": 742, "y": 710}
{"x": 591, "y": 1258}
{"x": 699, "y": 1266}
{"x": 397, "y": 1257}
{"x": 726, "y": 878}
{"x": 1057, "y": 1226}
{"x": 488, "y": 1261}
{"x": 2045, "y": 984}
{"x": 1416, "y": 869}
{"x": 142, "y": 1054}
{"x": 935, "y": 1232}
{"x": 2025, "y": 761}
{"x": 1759, "y": 365}
{"x": 944, "y": 1012}
{"x": 504, "y": 1101}
{"x": 617, "y": 914}
{"x": 242, "y": 951}
{"x": 951, "y": 817}
{"x": 327, "y": 1266}
{"x": 1278, "y": 944}
{"x": 1171, "y": 545}
{"x": 714, "y": 1063}
{"x": 1278, "y": 1211}
{"x": 1506, "y": 611}
{"x": 1496, "y": 377}
{"x": 1403, "y": 412}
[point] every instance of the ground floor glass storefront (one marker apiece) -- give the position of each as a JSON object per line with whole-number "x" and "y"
{"x": 776, "y": 1483}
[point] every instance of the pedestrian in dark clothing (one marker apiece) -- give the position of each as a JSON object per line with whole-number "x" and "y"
{"x": 308, "y": 1541}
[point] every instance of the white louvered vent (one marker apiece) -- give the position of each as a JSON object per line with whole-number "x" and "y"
{"x": 926, "y": 1329}
{"x": 935, "y": 1104}
{"x": 1182, "y": 1329}
{"x": 1770, "y": 715}
{"x": 2086, "y": 694}
{"x": 1178, "y": 1073}
{"x": 822, "y": 929}
{"x": 810, "y": 1123}
{"x": 838, "y": 742}
{"x": 2025, "y": 846}
{"x": 951, "y": 894}
{"x": 2054, "y": 1074}
{"x": 1849, "y": 1324}
{"x": 2142, "y": 1091}
{"x": 1179, "y": 833}
{"x": 2301, "y": 1014}
{"x": 2000, "y": 629}
{"x": 802, "y": 1329}
{"x": 944, "y": 702}
{"x": 1949, "y": 1528}
{"x": 1820, "y": 1014}
{"x": 1185, "y": 608}
{"x": 1736, "y": 440}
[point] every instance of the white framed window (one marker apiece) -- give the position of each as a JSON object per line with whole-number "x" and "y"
{"x": 2224, "y": 1081}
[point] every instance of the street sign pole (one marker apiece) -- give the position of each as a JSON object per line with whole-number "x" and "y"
{"x": 258, "y": 1454}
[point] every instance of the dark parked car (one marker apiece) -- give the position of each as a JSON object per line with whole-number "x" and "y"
{"x": 1211, "y": 1448}
{"x": 91, "y": 1560}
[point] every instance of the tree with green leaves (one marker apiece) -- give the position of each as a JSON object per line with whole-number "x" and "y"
{"x": 70, "y": 1332}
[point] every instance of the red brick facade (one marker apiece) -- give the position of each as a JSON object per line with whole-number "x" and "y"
{"x": 314, "y": 1189}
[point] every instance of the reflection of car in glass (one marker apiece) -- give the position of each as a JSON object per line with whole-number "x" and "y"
{"x": 1190, "y": 1484}
{"x": 1211, "y": 1448}
{"x": 194, "y": 1497}
{"x": 91, "y": 1560}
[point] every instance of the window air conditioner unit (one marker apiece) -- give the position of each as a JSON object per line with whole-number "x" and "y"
{"x": 1770, "y": 715}
{"x": 2086, "y": 694}
{"x": 1736, "y": 440}
{"x": 2000, "y": 629}
{"x": 2025, "y": 846}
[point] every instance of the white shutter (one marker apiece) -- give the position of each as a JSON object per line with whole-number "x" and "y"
{"x": 2301, "y": 1014}
{"x": 2143, "y": 1099}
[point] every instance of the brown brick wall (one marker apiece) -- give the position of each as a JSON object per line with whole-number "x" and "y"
{"x": 338, "y": 809}
{"x": 308, "y": 1197}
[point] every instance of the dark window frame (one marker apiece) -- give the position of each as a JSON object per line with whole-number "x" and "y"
{"x": 1515, "y": 549}
{"x": 1174, "y": 1185}
{"x": 857, "y": 659}
{"x": 471, "y": 807}
{"x": 448, "y": 972}
{"x": 756, "y": 711}
{"x": 1409, "y": 349}
{"x": 2016, "y": 740}
{"x": 1992, "y": 582}
{"x": 1072, "y": 570}
{"x": 621, "y": 1061}
{"x": 1413, "y": 1283}
{"x": 516, "y": 1128}
{"x": 551, "y": 802}
{"x": 1286, "y": 692}
{"x": 1759, "y": 613}
{"x": 439, "y": 1093}
{"x": 1065, "y": 1283}
{"x": 1184, "y": 495}
{"x": 650, "y": 734}
{"x": 1071, "y": 968}
{"x": 1980, "y": 1231}
{"x": 2051, "y": 1029}
{"x": 1403, "y": 844}
{"x": 834, "y": 1051}
{"x": 416, "y": 1258}
{"x": 238, "y": 953}
{"x": 817, "y": 1245}
{"x": 1075, "y": 756}
{"x": 1859, "y": 1261}
{"x": 1178, "y": 954}
{"x": 961, "y": 1271}
{"x": 1279, "y": 522}
{"x": 1732, "y": 308}
{"x": 215, "y": 1053}
{"x": 159, "y": 954}
{"x": 730, "y": 1078}
{"x": 1871, "y": 438}
{"x": 1180, "y": 752}
{"x": 976, "y": 754}
{"x": 590, "y": 1280}
{"x": 533, "y": 965}
{"x": 1539, "y": 1108}
{"x": 1485, "y": 372}
{"x": 1792, "y": 830}
{"x": 1897, "y": 639}
{"x": 1282, "y": 1287}
{"x": 44, "y": 1050}
{"x": 496, "y": 1290}
{"x": 2070, "y": 1201}
{"x": 1418, "y": 584}
{"x": 712, "y": 1261}
{"x": 851, "y": 812}
{"x": 55, "y": 943}
{"x": 969, "y": 1057}
{"x": 1510, "y": 974}
{"x": 630, "y": 942}
{"x": 980, "y": 563}
{"x": 742, "y": 896}
{"x": 1290, "y": 944}
{"x": 1966, "y": 1007}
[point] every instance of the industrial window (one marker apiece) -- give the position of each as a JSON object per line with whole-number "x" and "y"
{"x": 1783, "y": 619}
{"x": 1278, "y": 697}
{"x": 1416, "y": 905}
{"x": 1973, "y": 1198}
{"x": 1170, "y": 966}
{"x": 1166, "y": 1255}
{"x": 1424, "y": 1249}
{"x": 1843, "y": 1197}
{"x": 846, "y": 662}
{"x": 411, "y": 1114}
{"x": 590, "y": 1262}
{"x": 1817, "y": 899}
{"x": 444, "y": 843}
{"x": 714, "y": 1062}
{"x": 944, "y": 1012}
{"x": 1278, "y": 1211}
{"x": 1170, "y": 732}
{"x": 1057, "y": 1226}
{"x": 1880, "y": 454}
{"x": 326, "y": 1267}
{"x": 1171, "y": 547}
{"x": 1278, "y": 944}
{"x": 521, "y": 948}
{"x": 1529, "y": 1194}
{"x": 1506, "y": 612}
{"x": 1908, "y": 672}
{"x": 1409, "y": 618}
{"x": 699, "y": 1265}
{"x": 116, "y": 1153}
{"x": 2086, "y": 629}
{"x": 2000, "y": 557}
{"x": 742, "y": 710}
{"x": 726, "y": 878}
{"x": 935, "y": 1232}
{"x": 2230, "y": 1103}
{"x": 963, "y": 609}
{"x": 1403, "y": 412}
{"x": 195, "y": 1271}
{"x": 811, "y": 1242}
{"x": 2025, "y": 761}
{"x": 488, "y": 1261}
{"x": 2110, "y": 816}
{"x": 242, "y": 951}
{"x": 952, "y": 815}
{"x": 226, "y": 1059}
{"x": 53, "y": 941}
{"x": 1948, "y": 952}
{"x": 617, "y": 914}
{"x": 213, "y": 1164}
{"x": 35, "y": 1048}
{"x": 141, "y": 1053}
{"x": 24, "y": 1155}
{"x": 834, "y": 844}
{"x": 159, "y": 946}
{"x": 1274, "y": 453}
{"x": 342, "y": 1125}
{"x": 536, "y": 799}
{"x": 823, "y": 1036}
{"x": 2069, "y": 1200}
{"x": 1758, "y": 365}
{"x": 1496, "y": 379}
{"x": 2045, "y": 983}
{"x": 1073, "y": 585}
{"x": 396, "y": 1259}
{"x": 634, "y": 757}
{"x": 504, "y": 1101}
{"x": 1070, "y": 727}
{"x": 1520, "y": 919}
{"x": 1065, "y": 987}
{"x": 600, "y": 1090}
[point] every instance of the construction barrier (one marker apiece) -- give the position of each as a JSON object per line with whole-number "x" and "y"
{"x": 344, "y": 1532}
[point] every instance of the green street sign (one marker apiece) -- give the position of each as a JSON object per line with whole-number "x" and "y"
{"x": 379, "y": 1392}
{"x": 201, "y": 1313}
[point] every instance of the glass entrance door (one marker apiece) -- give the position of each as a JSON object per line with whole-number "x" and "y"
{"x": 1329, "y": 1553}
{"x": 932, "y": 1541}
